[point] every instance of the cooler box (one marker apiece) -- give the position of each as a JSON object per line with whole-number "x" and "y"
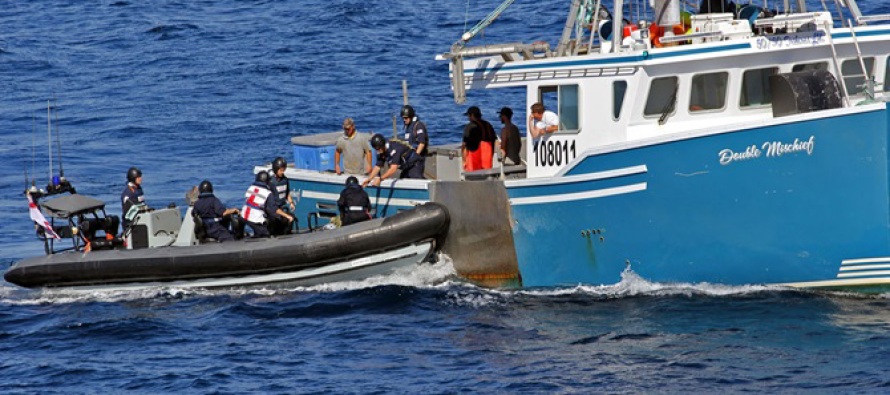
{"x": 315, "y": 152}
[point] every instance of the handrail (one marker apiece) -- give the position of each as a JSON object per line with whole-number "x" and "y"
{"x": 873, "y": 18}
{"x": 784, "y": 19}
{"x": 691, "y": 36}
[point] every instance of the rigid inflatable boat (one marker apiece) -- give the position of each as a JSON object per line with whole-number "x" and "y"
{"x": 162, "y": 250}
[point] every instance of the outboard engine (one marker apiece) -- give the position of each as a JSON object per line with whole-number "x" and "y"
{"x": 88, "y": 227}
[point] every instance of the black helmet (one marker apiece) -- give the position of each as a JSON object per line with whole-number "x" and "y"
{"x": 351, "y": 181}
{"x": 205, "y": 187}
{"x": 407, "y": 111}
{"x": 279, "y": 163}
{"x": 262, "y": 177}
{"x": 377, "y": 141}
{"x": 133, "y": 174}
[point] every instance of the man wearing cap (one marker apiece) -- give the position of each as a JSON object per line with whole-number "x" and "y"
{"x": 511, "y": 143}
{"x": 479, "y": 138}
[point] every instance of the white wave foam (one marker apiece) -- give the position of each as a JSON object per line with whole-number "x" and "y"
{"x": 420, "y": 276}
{"x": 631, "y": 285}
{"x": 433, "y": 276}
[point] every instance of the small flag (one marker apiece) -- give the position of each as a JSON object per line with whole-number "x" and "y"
{"x": 39, "y": 219}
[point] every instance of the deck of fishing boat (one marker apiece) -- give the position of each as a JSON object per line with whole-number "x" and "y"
{"x": 314, "y": 152}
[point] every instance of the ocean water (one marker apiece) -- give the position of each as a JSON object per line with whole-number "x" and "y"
{"x": 188, "y": 90}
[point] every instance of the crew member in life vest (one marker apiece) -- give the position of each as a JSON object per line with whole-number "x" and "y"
{"x": 354, "y": 204}
{"x": 416, "y": 134}
{"x": 132, "y": 199}
{"x": 477, "y": 149}
{"x": 261, "y": 206}
{"x": 281, "y": 187}
{"x": 393, "y": 155}
{"x": 215, "y": 216}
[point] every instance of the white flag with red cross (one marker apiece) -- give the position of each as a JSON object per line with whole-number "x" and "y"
{"x": 39, "y": 219}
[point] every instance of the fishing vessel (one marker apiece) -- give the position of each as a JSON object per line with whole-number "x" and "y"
{"x": 725, "y": 143}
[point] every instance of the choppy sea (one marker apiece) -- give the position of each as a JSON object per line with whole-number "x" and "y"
{"x": 188, "y": 90}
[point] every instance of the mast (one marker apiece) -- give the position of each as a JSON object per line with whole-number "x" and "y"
{"x": 617, "y": 28}
{"x": 567, "y": 29}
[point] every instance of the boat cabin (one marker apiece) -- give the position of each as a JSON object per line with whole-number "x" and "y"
{"x": 684, "y": 74}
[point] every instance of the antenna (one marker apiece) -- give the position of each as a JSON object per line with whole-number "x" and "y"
{"x": 58, "y": 137}
{"x": 49, "y": 140}
{"x": 33, "y": 146}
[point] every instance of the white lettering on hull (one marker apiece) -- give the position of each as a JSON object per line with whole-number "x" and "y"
{"x": 769, "y": 149}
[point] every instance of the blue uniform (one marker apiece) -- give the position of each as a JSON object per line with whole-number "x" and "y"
{"x": 354, "y": 204}
{"x": 211, "y": 210}
{"x": 281, "y": 189}
{"x": 404, "y": 157}
{"x": 131, "y": 195}
{"x": 416, "y": 133}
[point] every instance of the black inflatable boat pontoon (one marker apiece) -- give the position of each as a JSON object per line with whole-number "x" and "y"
{"x": 353, "y": 252}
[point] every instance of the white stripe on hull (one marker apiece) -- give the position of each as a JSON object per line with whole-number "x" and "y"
{"x": 390, "y": 202}
{"x": 390, "y": 260}
{"x": 567, "y": 197}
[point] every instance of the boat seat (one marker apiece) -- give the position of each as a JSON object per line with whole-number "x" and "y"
{"x": 201, "y": 231}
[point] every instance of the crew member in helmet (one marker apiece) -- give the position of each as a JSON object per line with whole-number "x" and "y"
{"x": 415, "y": 133}
{"x": 354, "y": 204}
{"x": 215, "y": 216}
{"x": 281, "y": 187}
{"x": 261, "y": 206}
{"x": 393, "y": 155}
{"x": 132, "y": 199}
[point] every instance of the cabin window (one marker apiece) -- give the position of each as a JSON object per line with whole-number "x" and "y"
{"x": 565, "y": 98}
{"x": 708, "y": 92}
{"x": 810, "y": 66}
{"x": 662, "y": 96}
{"x": 755, "y": 87}
{"x": 854, "y": 78}
{"x": 619, "y": 88}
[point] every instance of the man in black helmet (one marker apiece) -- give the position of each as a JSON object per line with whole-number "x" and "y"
{"x": 132, "y": 199}
{"x": 393, "y": 155}
{"x": 261, "y": 206}
{"x": 354, "y": 204}
{"x": 213, "y": 213}
{"x": 415, "y": 134}
{"x": 281, "y": 187}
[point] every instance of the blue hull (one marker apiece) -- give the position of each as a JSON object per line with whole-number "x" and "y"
{"x": 802, "y": 203}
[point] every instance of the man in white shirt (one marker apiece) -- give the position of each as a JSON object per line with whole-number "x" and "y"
{"x": 542, "y": 121}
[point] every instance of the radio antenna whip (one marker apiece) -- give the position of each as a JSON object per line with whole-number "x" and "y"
{"x": 58, "y": 136}
{"x": 49, "y": 140}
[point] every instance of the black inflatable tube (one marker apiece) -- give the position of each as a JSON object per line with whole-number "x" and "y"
{"x": 232, "y": 259}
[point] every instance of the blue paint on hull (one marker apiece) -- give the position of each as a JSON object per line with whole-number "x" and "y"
{"x": 781, "y": 219}
{"x": 685, "y": 217}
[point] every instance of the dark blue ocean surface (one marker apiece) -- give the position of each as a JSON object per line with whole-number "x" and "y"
{"x": 188, "y": 90}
